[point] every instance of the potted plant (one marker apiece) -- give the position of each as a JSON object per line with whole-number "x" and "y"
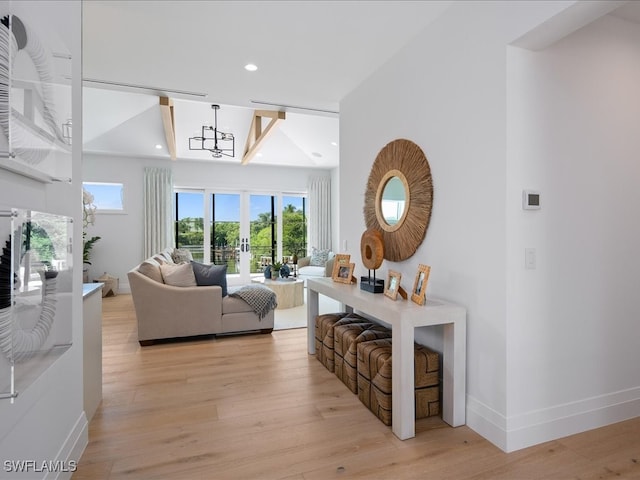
{"x": 275, "y": 270}
{"x": 88, "y": 218}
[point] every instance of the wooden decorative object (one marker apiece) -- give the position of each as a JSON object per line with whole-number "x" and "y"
{"x": 393, "y": 284}
{"x": 420, "y": 284}
{"x": 404, "y": 160}
{"x": 345, "y": 273}
{"x": 340, "y": 260}
{"x": 372, "y": 249}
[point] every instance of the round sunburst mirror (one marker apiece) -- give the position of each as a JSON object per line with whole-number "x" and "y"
{"x": 399, "y": 197}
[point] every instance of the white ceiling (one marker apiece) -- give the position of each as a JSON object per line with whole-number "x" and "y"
{"x": 309, "y": 54}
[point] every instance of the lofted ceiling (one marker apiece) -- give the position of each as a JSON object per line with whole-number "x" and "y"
{"x": 310, "y": 55}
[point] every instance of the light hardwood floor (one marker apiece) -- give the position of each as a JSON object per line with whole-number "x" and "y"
{"x": 259, "y": 407}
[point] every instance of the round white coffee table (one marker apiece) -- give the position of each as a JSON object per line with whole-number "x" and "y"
{"x": 289, "y": 291}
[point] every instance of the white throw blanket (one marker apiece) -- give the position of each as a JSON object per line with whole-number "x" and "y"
{"x": 259, "y": 297}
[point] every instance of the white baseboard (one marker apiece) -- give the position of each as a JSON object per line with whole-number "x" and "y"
{"x": 71, "y": 451}
{"x": 521, "y": 431}
{"x": 124, "y": 287}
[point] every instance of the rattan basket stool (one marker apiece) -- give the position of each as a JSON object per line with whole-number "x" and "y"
{"x": 346, "y": 340}
{"x": 374, "y": 379}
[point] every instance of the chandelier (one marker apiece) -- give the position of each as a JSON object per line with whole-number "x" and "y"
{"x": 210, "y": 142}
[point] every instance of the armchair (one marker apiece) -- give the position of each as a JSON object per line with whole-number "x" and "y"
{"x": 318, "y": 269}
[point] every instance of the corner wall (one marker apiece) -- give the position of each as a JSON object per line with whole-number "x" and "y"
{"x": 448, "y": 92}
{"x": 573, "y": 321}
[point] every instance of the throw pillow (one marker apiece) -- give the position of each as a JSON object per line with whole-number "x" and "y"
{"x": 319, "y": 257}
{"x": 207, "y": 275}
{"x": 181, "y": 255}
{"x": 160, "y": 259}
{"x": 178, "y": 275}
{"x": 150, "y": 270}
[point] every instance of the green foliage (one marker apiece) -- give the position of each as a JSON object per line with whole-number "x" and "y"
{"x": 191, "y": 232}
{"x": 275, "y": 269}
{"x": 226, "y": 233}
{"x": 87, "y": 247}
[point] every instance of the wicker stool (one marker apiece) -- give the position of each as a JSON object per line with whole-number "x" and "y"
{"x": 324, "y": 325}
{"x": 374, "y": 379}
{"x": 346, "y": 339}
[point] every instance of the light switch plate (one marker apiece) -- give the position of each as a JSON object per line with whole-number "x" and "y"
{"x": 530, "y": 258}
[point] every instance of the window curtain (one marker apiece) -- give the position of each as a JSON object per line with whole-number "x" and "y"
{"x": 319, "y": 212}
{"x": 158, "y": 210}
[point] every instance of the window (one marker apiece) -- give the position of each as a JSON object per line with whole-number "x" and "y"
{"x": 189, "y": 229}
{"x": 244, "y": 230}
{"x": 107, "y": 197}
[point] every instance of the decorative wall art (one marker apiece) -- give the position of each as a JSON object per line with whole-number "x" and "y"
{"x": 35, "y": 295}
{"x": 399, "y": 197}
{"x": 35, "y": 100}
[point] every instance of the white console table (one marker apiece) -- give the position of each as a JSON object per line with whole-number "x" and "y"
{"x": 404, "y": 316}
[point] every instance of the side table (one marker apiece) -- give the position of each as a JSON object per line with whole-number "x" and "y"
{"x": 289, "y": 291}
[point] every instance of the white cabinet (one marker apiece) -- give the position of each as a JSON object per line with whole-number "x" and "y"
{"x": 92, "y": 346}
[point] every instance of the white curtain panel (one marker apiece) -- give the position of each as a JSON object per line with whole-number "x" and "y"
{"x": 319, "y": 212}
{"x": 158, "y": 210}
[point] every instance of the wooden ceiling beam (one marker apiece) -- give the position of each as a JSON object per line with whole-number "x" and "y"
{"x": 257, "y": 135}
{"x": 168, "y": 120}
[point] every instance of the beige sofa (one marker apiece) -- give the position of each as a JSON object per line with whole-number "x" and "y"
{"x": 165, "y": 311}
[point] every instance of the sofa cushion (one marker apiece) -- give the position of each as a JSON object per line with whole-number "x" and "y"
{"x": 151, "y": 270}
{"x": 311, "y": 271}
{"x": 207, "y": 275}
{"x": 178, "y": 275}
{"x": 181, "y": 255}
{"x": 319, "y": 257}
{"x": 235, "y": 305}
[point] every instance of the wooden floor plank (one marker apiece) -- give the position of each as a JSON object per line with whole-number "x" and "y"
{"x": 259, "y": 407}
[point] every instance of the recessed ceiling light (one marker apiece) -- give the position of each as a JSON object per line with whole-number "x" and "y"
{"x": 159, "y": 147}
{"x": 250, "y": 67}
{"x": 335, "y": 144}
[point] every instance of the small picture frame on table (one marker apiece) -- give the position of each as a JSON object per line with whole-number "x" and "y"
{"x": 340, "y": 260}
{"x": 344, "y": 273}
{"x": 418, "y": 294}
{"x": 392, "y": 287}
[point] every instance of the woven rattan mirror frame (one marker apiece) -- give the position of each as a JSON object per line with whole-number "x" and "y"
{"x": 404, "y": 156}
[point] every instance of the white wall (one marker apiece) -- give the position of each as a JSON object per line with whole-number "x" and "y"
{"x": 121, "y": 246}
{"x": 573, "y": 321}
{"x": 448, "y": 92}
{"x": 46, "y": 422}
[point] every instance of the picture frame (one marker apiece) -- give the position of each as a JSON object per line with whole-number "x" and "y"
{"x": 392, "y": 287}
{"x": 340, "y": 260}
{"x": 344, "y": 273}
{"x": 418, "y": 294}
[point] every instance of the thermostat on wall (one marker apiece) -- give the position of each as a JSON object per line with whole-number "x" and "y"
{"x": 530, "y": 200}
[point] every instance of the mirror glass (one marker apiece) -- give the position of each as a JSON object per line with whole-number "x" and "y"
{"x": 393, "y": 201}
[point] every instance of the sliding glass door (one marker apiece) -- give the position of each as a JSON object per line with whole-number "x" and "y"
{"x": 247, "y": 231}
{"x": 225, "y": 220}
